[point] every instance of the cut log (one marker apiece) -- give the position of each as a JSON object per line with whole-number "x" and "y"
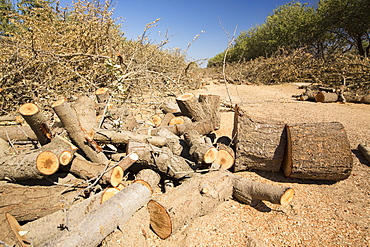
{"x": 366, "y": 99}
{"x": 190, "y": 107}
{"x": 317, "y": 151}
{"x": 86, "y": 115}
{"x": 114, "y": 213}
{"x": 11, "y": 119}
{"x": 259, "y": 145}
{"x": 246, "y": 191}
{"x": 70, "y": 121}
{"x": 179, "y": 120}
{"x": 308, "y": 95}
{"x": 169, "y": 107}
{"x": 167, "y": 118}
{"x": 173, "y": 142}
{"x": 102, "y": 95}
{"x": 4, "y": 147}
{"x": 365, "y": 150}
{"x": 155, "y": 120}
{"x": 36, "y": 120}
{"x": 123, "y": 137}
{"x": 201, "y": 151}
{"x": 109, "y": 193}
{"x": 203, "y": 128}
{"x": 160, "y": 159}
{"x": 53, "y": 225}
{"x": 20, "y": 133}
{"x": 211, "y": 105}
{"x": 352, "y": 98}
{"x": 195, "y": 197}
{"x": 326, "y": 97}
{"x": 226, "y": 156}
{"x": 17, "y": 230}
{"x": 87, "y": 170}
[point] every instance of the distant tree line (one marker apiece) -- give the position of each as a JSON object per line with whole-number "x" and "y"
{"x": 331, "y": 26}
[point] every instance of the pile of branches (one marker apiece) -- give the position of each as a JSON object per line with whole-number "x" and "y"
{"x": 55, "y": 51}
{"x": 301, "y": 66}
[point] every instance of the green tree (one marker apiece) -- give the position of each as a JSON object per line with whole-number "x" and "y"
{"x": 6, "y": 11}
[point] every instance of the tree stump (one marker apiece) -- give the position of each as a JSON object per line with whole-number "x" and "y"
{"x": 317, "y": 151}
{"x": 259, "y": 145}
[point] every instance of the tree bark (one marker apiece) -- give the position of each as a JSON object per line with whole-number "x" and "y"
{"x": 160, "y": 159}
{"x": 259, "y": 145}
{"x": 173, "y": 142}
{"x": 317, "y": 151}
{"x": 115, "y": 212}
{"x": 86, "y": 115}
{"x": 203, "y": 128}
{"x": 195, "y": 197}
{"x": 201, "y": 151}
{"x": 20, "y": 133}
{"x": 70, "y": 121}
{"x": 36, "y": 120}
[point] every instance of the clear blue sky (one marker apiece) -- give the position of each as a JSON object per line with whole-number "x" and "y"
{"x": 185, "y": 19}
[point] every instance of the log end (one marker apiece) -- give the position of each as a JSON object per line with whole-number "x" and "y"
{"x": 65, "y": 158}
{"x": 101, "y": 91}
{"x": 117, "y": 176}
{"x": 160, "y": 220}
{"x": 47, "y": 163}
{"x": 211, "y": 155}
{"x": 287, "y": 197}
{"x": 58, "y": 103}
{"x": 185, "y": 97}
{"x": 225, "y": 159}
{"x": 108, "y": 193}
{"x": 28, "y": 109}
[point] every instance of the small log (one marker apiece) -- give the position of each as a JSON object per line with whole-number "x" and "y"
{"x": 102, "y": 95}
{"x": 16, "y": 119}
{"x": 87, "y": 170}
{"x": 203, "y": 128}
{"x": 20, "y": 133}
{"x": 246, "y": 191}
{"x": 173, "y": 142}
{"x": 86, "y": 115}
{"x": 317, "y": 151}
{"x": 167, "y": 118}
{"x": 352, "y": 98}
{"x": 259, "y": 145}
{"x": 123, "y": 137}
{"x": 109, "y": 193}
{"x": 155, "y": 120}
{"x": 365, "y": 150}
{"x": 195, "y": 197}
{"x": 70, "y": 121}
{"x": 160, "y": 159}
{"x": 211, "y": 106}
{"x": 326, "y": 97}
{"x": 201, "y": 151}
{"x": 36, "y": 120}
{"x": 121, "y": 117}
{"x": 179, "y": 120}
{"x": 308, "y": 95}
{"x": 366, "y": 99}
{"x": 37, "y": 164}
{"x": 190, "y": 107}
{"x": 169, "y": 107}
{"x": 114, "y": 213}
{"x": 226, "y": 156}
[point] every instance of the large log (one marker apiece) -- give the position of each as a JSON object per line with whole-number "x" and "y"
{"x": 70, "y": 121}
{"x": 317, "y": 151}
{"x": 259, "y": 145}
{"x": 160, "y": 159}
{"x": 36, "y": 120}
{"x": 326, "y": 97}
{"x": 195, "y": 197}
{"x": 114, "y": 213}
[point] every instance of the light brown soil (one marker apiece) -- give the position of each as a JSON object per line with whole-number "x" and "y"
{"x": 321, "y": 214}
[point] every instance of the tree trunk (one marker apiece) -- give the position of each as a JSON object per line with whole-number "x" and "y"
{"x": 190, "y": 107}
{"x": 211, "y": 106}
{"x": 259, "y": 145}
{"x": 326, "y": 97}
{"x": 115, "y": 212}
{"x": 195, "y": 197}
{"x": 317, "y": 151}
{"x": 160, "y": 159}
{"x": 201, "y": 151}
{"x": 70, "y": 121}
{"x": 36, "y": 120}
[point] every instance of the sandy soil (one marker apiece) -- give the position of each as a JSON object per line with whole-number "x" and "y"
{"x": 321, "y": 214}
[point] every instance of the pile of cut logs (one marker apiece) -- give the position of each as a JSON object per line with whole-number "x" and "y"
{"x": 318, "y": 93}
{"x": 95, "y": 166}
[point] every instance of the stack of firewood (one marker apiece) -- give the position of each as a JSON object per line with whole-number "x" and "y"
{"x": 96, "y": 166}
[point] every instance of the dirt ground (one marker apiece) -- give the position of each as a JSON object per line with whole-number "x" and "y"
{"x": 321, "y": 214}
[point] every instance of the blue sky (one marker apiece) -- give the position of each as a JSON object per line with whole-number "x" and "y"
{"x": 186, "y": 19}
